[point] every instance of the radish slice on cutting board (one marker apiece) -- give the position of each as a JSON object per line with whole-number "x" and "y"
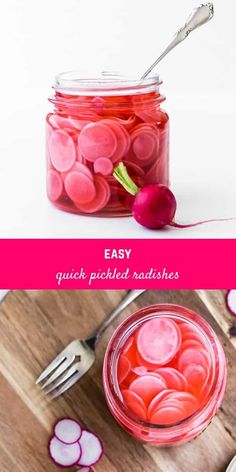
{"x": 71, "y": 445}
{"x": 91, "y": 447}
{"x": 231, "y": 301}
{"x": 64, "y": 455}
{"x": 67, "y": 430}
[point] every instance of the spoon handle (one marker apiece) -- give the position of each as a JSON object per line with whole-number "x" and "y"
{"x": 198, "y": 17}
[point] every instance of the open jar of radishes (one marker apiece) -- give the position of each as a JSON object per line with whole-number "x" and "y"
{"x": 96, "y": 124}
{"x": 164, "y": 374}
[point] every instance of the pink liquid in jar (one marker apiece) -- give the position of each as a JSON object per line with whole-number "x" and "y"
{"x": 164, "y": 374}
{"x": 96, "y": 124}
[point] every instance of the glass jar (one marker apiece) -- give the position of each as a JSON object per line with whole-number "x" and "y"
{"x": 96, "y": 124}
{"x": 187, "y": 429}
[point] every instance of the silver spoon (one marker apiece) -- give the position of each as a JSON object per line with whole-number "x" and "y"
{"x": 199, "y": 17}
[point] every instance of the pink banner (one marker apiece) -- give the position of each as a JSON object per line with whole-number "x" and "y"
{"x": 117, "y": 264}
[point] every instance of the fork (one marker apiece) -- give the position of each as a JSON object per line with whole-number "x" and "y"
{"x": 78, "y": 357}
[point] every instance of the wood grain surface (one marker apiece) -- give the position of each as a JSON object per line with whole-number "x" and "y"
{"x": 36, "y": 325}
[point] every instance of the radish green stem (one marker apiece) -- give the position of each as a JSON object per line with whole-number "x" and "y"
{"x": 121, "y": 174}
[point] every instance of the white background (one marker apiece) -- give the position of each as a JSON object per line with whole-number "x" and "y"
{"x": 41, "y": 38}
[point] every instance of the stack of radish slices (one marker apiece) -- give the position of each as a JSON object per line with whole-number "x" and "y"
{"x": 164, "y": 371}
{"x": 71, "y": 445}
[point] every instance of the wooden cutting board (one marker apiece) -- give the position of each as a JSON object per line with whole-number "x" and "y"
{"x": 36, "y": 325}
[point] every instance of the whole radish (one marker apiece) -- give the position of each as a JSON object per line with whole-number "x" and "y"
{"x": 154, "y": 205}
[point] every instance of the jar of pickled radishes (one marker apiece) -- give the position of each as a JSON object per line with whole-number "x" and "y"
{"x": 95, "y": 125}
{"x": 164, "y": 374}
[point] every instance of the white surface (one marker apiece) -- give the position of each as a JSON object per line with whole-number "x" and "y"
{"x": 40, "y": 39}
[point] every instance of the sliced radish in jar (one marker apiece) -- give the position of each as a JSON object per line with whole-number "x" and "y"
{"x": 231, "y": 301}
{"x": 196, "y": 375}
{"x": 140, "y": 370}
{"x": 167, "y": 415}
{"x": 135, "y": 404}
{"x": 103, "y": 166}
{"x": 144, "y": 144}
{"x": 79, "y": 187}
{"x": 64, "y": 455}
{"x": 62, "y": 150}
{"x": 54, "y": 185}
{"x": 124, "y": 368}
{"x": 158, "y": 341}
{"x": 101, "y": 198}
{"x": 122, "y": 137}
{"x": 157, "y": 400}
{"x": 67, "y": 430}
{"x": 191, "y": 343}
{"x": 192, "y": 356}
{"x": 147, "y": 387}
{"x": 78, "y": 167}
{"x": 174, "y": 379}
{"x": 91, "y": 447}
{"x": 60, "y": 122}
{"x": 97, "y": 140}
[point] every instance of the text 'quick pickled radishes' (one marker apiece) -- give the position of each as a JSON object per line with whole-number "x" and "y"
{"x": 164, "y": 371}
{"x": 153, "y": 205}
{"x": 71, "y": 445}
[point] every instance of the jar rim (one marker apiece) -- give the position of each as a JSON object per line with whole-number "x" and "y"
{"x": 209, "y": 333}
{"x": 76, "y": 82}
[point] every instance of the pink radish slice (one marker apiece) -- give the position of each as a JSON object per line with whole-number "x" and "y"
{"x": 186, "y": 399}
{"x": 191, "y": 343}
{"x": 54, "y": 185}
{"x": 144, "y": 145}
{"x": 196, "y": 375}
{"x": 128, "y": 123}
{"x": 101, "y": 198}
{"x": 142, "y": 362}
{"x": 134, "y": 168}
{"x": 78, "y": 167}
{"x": 91, "y": 447}
{"x": 103, "y": 166}
{"x": 64, "y": 455}
{"x": 67, "y": 430}
{"x": 122, "y": 137}
{"x": 79, "y": 187}
{"x": 135, "y": 404}
{"x": 79, "y": 124}
{"x": 140, "y": 370}
{"x": 156, "y": 401}
{"x": 130, "y": 351}
{"x": 193, "y": 337}
{"x": 158, "y": 341}
{"x": 124, "y": 368}
{"x": 192, "y": 356}
{"x": 167, "y": 415}
{"x": 174, "y": 379}
{"x": 129, "y": 343}
{"x": 231, "y": 301}
{"x": 97, "y": 140}
{"x": 62, "y": 150}
{"x": 147, "y": 387}
{"x": 187, "y": 328}
{"x": 60, "y": 122}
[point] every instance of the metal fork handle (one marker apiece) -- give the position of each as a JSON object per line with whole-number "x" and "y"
{"x": 129, "y": 298}
{"x": 199, "y": 17}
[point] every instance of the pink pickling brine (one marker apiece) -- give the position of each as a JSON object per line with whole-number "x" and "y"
{"x": 164, "y": 374}
{"x": 96, "y": 124}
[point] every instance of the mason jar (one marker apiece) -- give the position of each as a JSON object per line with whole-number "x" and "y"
{"x": 95, "y": 125}
{"x": 212, "y": 393}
